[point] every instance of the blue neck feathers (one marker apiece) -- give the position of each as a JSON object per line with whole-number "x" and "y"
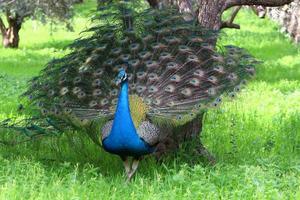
{"x": 122, "y": 115}
{"x": 123, "y": 139}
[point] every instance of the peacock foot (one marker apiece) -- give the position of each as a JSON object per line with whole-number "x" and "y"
{"x": 130, "y": 167}
{"x": 202, "y": 151}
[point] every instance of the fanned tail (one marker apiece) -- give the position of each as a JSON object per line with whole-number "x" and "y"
{"x": 172, "y": 65}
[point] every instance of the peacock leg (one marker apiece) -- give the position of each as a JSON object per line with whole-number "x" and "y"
{"x": 127, "y": 165}
{"x": 135, "y": 164}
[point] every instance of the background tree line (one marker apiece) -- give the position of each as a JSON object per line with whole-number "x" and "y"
{"x": 209, "y": 13}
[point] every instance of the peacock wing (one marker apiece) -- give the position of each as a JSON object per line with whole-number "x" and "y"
{"x": 149, "y": 132}
{"x": 106, "y": 129}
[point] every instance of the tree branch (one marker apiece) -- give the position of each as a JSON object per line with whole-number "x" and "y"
{"x": 234, "y": 14}
{"x": 267, "y": 3}
{"x": 8, "y": 16}
{"x": 2, "y": 27}
{"x": 229, "y": 23}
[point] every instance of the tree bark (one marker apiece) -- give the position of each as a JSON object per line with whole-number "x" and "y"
{"x": 10, "y": 34}
{"x": 266, "y": 3}
{"x": 229, "y": 23}
{"x": 209, "y": 12}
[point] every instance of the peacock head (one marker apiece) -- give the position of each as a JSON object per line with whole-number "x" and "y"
{"x": 122, "y": 77}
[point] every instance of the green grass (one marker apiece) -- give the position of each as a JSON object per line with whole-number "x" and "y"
{"x": 255, "y": 138}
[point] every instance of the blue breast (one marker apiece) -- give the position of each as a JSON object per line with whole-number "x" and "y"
{"x": 123, "y": 139}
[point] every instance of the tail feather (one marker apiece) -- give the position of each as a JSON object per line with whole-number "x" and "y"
{"x": 170, "y": 63}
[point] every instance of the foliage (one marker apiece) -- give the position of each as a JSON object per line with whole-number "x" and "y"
{"x": 42, "y": 9}
{"x": 255, "y": 138}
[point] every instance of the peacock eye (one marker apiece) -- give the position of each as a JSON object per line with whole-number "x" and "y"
{"x": 232, "y": 94}
{"x": 65, "y": 70}
{"x": 237, "y": 89}
{"x": 51, "y": 92}
{"x": 93, "y": 103}
{"x": 179, "y": 117}
{"x": 97, "y": 92}
{"x": 125, "y": 57}
{"x": 64, "y": 102}
{"x": 244, "y": 82}
{"x": 44, "y": 111}
{"x": 114, "y": 93}
{"x": 219, "y": 99}
{"x": 67, "y": 110}
{"x": 40, "y": 104}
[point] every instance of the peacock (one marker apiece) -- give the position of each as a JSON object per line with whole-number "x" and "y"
{"x": 132, "y": 74}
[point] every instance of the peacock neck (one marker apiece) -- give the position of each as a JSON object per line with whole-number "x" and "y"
{"x": 124, "y": 139}
{"x": 123, "y": 115}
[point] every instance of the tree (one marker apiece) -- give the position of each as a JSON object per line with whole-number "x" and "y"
{"x": 289, "y": 18}
{"x": 17, "y": 11}
{"x": 209, "y": 12}
{"x": 260, "y": 11}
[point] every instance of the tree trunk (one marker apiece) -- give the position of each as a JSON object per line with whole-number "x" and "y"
{"x": 11, "y": 38}
{"x": 10, "y": 35}
{"x": 210, "y": 14}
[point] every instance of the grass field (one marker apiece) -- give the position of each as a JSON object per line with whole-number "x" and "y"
{"x": 255, "y": 138}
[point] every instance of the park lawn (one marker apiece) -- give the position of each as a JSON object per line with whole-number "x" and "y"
{"x": 255, "y": 138}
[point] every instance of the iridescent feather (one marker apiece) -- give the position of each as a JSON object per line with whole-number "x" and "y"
{"x": 171, "y": 65}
